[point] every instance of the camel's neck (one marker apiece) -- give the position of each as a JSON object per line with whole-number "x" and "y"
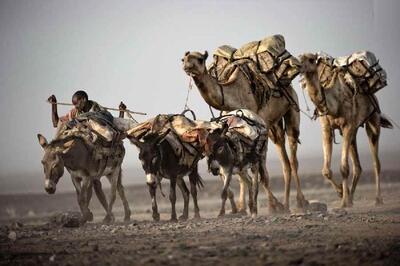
{"x": 314, "y": 90}
{"x": 210, "y": 90}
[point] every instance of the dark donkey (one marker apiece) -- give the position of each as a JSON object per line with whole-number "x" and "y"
{"x": 74, "y": 154}
{"x": 223, "y": 158}
{"x": 159, "y": 160}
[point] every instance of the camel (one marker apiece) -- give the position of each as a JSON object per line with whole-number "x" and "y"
{"x": 279, "y": 114}
{"x": 339, "y": 108}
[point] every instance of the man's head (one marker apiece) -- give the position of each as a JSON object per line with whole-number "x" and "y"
{"x": 80, "y": 99}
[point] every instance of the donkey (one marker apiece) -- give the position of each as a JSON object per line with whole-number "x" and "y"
{"x": 160, "y": 161}
{"x": 223, "y": 159}
{"x": 77, "y": 157}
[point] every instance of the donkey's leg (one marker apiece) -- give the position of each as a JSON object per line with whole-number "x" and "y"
{"x": 100, "y": 194}
{"x": 280, "y": 146}
{"x": 227, "y": 177}
{"x": 348, "y": 135}
{"x": 121, "y": 192}
{"x": 76, "y": 181}
{"x": 152, "y": 185}
{"x": 113, "y": 178}
{"x": 373, "y": 129}
{"x": 243, "y": 182}
{"x": 193, "y": 176}
{"x": 172, "y": 198}
{"x": 355, "y": 159}
{"x": 254, "y": 186}
{"x": 273, "y": 204}
{"x": 327, "y": 139}
{"x": 292, "y": 122}
{"x": 86, "y": 193}
{"x": 185, "y": 194}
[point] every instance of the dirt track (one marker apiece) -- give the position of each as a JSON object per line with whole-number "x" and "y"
{"x": 364, "y": 234}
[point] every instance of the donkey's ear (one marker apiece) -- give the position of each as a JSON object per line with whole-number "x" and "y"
{"x": 67, "y": 146}
{"x": 135, "y": 142}
{"x": 42, "y": 140}
{"x": 186, "y": 53}
{"x": 205, "y": 56}
{"x": 162, "y": 136}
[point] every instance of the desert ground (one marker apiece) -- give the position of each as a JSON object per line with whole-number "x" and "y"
{"x": 31, "y": 234}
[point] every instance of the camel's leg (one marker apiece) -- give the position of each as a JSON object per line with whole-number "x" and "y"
{"x": 273, "y": 204}
{"x": 226, "y": 177}
{"x": 172, "y": 198}
{"x": 121, "y": 192}
{"x": 373, "y": 129}
{"x": 292, "y": 122}
{"x": 185, "y": 194}
{"x": 193, "y": 176}
{"x": 100, "y": 194}
{"x": 327, "y": 140}
{"x": 355, "y": 159}
{"x": 348, "y": 135}
{"x": 280, "y": 146}
{"x": 152, "y": 190}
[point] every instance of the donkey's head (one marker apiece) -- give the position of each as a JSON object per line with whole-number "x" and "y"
{"x": 149, "y": 153}
{"x": 53, "y": 163}
{"x": 194, "y": 63}
{"x": 218, "y": 151}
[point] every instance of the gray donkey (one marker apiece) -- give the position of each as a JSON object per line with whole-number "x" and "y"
{"x": 86, "y": 169}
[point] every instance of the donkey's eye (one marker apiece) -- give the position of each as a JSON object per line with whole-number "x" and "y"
{"x": 220, "y": 149}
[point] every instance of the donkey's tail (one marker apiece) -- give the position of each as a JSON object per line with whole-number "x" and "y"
{"x": 386, "y": 122}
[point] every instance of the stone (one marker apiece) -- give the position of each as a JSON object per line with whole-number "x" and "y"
{"x": 316, "y": 206}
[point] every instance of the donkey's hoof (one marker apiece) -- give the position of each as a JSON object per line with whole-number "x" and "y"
{"x": 183, "y": 218}
{"x": 378, "y": 201}
{"x": 221, "y": 213}
{"x": 302, "y": 203}
{"x": 196, "y": 216}
{"x": 173, "y": 220}
{"x": 156, "y": 217}
{"x": 109, "y": 218}
{"x": 88, "y": 217}
{"x": 242, "y": 212}
{"x": 127, "y": 218}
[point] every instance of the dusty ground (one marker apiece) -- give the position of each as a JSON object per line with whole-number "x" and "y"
{"x": 364, "y": 234}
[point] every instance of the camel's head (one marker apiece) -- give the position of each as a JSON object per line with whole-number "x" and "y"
{"x": 194, "y": 63}
{"x": 53, "y": 163}
{"x": 309, "y": 62}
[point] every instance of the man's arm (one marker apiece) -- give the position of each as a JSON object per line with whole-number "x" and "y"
{"x": 122, "y": 108}
{"x": 54, "y": 114}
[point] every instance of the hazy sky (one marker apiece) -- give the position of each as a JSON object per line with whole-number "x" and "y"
{"x": 132, "y": 50}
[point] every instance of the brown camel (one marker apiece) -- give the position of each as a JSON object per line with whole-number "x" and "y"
{"x": 279, "y": 115}
{"x": 340, "y": 108}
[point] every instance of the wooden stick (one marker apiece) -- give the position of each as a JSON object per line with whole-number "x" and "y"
{"x": 113, "y": 109}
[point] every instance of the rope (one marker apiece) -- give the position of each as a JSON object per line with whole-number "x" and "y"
{"x": 190, "y": 86}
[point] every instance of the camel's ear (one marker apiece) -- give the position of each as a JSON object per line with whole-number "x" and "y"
{"x": 205, "y": 55}
{"x": 42, "y": 140}
{"x": 186, "y": 53}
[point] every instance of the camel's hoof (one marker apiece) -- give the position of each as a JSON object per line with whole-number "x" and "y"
{"x": 378, "y": 201}
{"x": 183, "y": 218}
{"x": 109, "y": 218}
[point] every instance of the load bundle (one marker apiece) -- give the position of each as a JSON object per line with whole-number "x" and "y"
{"x": 267, "y": 63}
{"x": 100, "y": 131}
{"x": 186, "y": 136}
{"x": 361, "y": 70}
{"x": 245, "y": 128}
